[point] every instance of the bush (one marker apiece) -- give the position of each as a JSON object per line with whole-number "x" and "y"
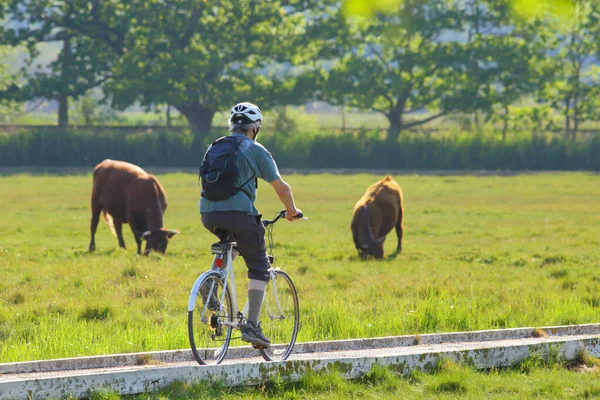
{"x": 51, "y": 147}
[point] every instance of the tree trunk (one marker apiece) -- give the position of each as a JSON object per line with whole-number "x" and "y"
{"x": 63, "y": 111}
{"x": 198, "y": 116}
{"x": 576, "y": 109}
{"x": 505, "y": 122}
{"x": 88, "y": 119}
{"x": 63, "y": 95}
{"x": 476, "y": 120}
{"x": 343, "y": 118}
{"x": 168, "y": 115}
{"x": 396, "y": 124}
{"x": 567, "y": 126}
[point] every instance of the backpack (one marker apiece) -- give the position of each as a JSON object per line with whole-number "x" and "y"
{"x": 219, "y": 171}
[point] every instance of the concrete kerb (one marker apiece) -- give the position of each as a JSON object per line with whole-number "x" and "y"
{"x": 171, "y": 356}
{"x": 155, "y": 377}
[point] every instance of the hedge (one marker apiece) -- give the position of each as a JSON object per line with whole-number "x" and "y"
{"x": 54, "y": 148}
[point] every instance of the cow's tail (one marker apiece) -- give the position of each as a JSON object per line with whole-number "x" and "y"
{"x": 109, "y": 221}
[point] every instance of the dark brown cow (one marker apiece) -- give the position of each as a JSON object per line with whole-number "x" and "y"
{"x": 375, "y": 214}
{"x": 128, "y": 195}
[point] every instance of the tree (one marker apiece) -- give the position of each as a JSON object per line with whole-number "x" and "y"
{"x": 501, "y": 59}
{"x": 83, "y": 61}
{"x": 8, "y": 86}
{"x": 575, "y": 90}
{"x": 401, "y": 63}
{"x": 506, "y": 58}
{"x": 201, "y": 57}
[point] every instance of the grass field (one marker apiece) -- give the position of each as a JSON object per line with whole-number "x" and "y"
{"x": 479, "y": 252}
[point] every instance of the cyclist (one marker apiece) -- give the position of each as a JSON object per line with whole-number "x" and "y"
{"x": 238, "y": 214}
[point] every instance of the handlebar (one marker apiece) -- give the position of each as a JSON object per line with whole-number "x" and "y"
{"x": 280, "y": 214}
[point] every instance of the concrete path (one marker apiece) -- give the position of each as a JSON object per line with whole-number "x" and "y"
{"x": 140, "y": 372}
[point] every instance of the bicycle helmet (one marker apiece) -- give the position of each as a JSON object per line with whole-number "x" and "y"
{"x": 245, "y": 113}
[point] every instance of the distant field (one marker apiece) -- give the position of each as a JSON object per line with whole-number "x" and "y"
{"x": 304, "y": 121}
{"x": 479, "y": 252}
{"x": 296, "y": 118}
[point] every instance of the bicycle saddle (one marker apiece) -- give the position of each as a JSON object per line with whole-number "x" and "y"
{"x": 224, "y": 235}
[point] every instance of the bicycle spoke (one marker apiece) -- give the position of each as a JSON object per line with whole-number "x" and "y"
{"x": 208, "y": 328}
{"x": 280, "y": 317}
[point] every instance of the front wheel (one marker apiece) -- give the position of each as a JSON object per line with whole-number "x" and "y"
{"x": 210, "y": 319}
{"x": 280, "y": 316}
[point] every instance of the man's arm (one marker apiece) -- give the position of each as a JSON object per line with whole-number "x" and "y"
{"x": 284, "y": 191}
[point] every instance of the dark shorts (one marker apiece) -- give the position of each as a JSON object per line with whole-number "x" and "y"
{"x": 249, "y": 234}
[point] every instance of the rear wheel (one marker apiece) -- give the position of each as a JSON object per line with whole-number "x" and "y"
{"x": 280, "y": 316}
{"x": 207, "y": 329}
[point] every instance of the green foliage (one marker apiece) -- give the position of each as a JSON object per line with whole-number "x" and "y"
{"x": 521, "y": 9}
{"x": 84, "y": 58}
{"x": 445, "y": 57}
{"x": 380, "y": 376}
{"x": 553, "y": 360}
{"x": 574, "y": 89}
{"x": 584, "y": 358}
{"x": 424, "y": 58}
{"x": 95, "y": 313}
{"x": 535, "y": 9}
{"x": 89, "y": 109}
{"x": 456, "y": 382}
{"x": 367, "y": 150}
{"x": 103, "y": 395}
{"x": 205, "y": 57}
{"x": 8, "y": 83}
{"x": 398, "y": 63}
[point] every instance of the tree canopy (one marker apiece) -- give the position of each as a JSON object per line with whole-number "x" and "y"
{"x": 420, "y": 58}
{"x": 201, "y": 57}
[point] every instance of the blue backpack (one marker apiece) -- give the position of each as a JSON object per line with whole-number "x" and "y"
{"x": 219, "y": 172}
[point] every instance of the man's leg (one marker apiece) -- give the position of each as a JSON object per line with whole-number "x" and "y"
{"x": 256, "y": 294}
{"x": 251, "y": 245}
{"x": 250, "y": 237}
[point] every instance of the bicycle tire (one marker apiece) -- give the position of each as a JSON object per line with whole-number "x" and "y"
{"x": 205, "y": 328}
{"x": 280, "y": 324}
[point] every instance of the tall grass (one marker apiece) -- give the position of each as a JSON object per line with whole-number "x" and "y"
{"x": 365, "y": 149}
{"x": 479, "y": 253}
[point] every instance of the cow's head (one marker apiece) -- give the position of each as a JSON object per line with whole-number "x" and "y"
{"x": 364, "y": 240}
{"x": 158, "y": 239}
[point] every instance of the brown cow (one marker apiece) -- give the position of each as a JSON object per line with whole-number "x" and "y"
{"x": 375, "y": 214}
{"x": 128, "y": 195}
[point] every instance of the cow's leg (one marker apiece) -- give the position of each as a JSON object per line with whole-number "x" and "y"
{"x": 399, "y": 231}
{"x": 96, "y": 210}
{"x": 138, "y": 240}
{"x": 137, "y": 234}
{"x": 137, "y": 229}
{"x": 119, "y": 231}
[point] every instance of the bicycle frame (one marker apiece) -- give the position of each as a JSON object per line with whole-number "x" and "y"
{"x": 229, "y": 282}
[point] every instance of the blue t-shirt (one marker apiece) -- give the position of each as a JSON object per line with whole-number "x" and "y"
{"x": 253, "y": 161}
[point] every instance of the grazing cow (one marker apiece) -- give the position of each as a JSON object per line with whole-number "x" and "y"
{"x": 375, "y": 214}
{"x": 128, "y": 195}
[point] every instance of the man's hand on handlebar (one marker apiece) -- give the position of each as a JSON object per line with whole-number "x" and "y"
{"x": 293, "y": 214}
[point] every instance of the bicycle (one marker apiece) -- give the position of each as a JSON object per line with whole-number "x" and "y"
{"x": 213, "y": 311}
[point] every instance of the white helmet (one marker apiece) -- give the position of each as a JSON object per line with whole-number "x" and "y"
{"x": 245, "y": 113}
